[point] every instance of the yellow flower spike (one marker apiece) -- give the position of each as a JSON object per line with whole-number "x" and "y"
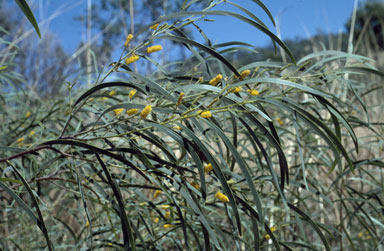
{"x": 112, "y": 93}
{"x": 236, "y": 89}
{"x": 177, "y": 128}
{"x": 167, "y": 226}
{"x": 20, "y": 140}
{"x": 156, "y": 220}
{"x": 87, "y": 224}
{"x": 216, "y": 80}
{"x": 146, "y": 111}
{"x": 118, "y": 111}
{"x": 208, "y": 168}
{"x": 31, "y": 133}
{"x": 154, "y": 27}
{"x": 167, "y": 214}
{"x": 128, "y": 40}
{"x": 273, "y": 229}
{"x": 132, "y": 93}
{"x": 154, "y": 48}
{"x": 280, "y": 121}
{"x": 231, "y": 182}
{"x": 181, "y": 96}
{"x": 156, "y": 194}
{"x": 165, "y": 206}
{"x": 132, "y": 59}
{"x": 132, "y": 111}
{"x": 27, "y": 114}
{"x": 103, "y": 99}
{"x": 360, "y": 235}
{"x": 222, "y": 197}
{"x": 195, "y": 185}
{"x": 244, "y": 74}
{"x": 253, "y": 92}
{"x": 206, "y": 114}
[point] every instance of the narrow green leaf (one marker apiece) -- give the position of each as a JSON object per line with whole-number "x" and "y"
{"x": 242, "y": 166}
{"x": 107, "y": 85}
{"x": 236, "y": 15}
{"x": 218, "y": 172}
{"x": 125, "y": 225}
{"x": 28, "y": 14}
{"x": 21, "y": 203}
{"x": 305, "y": 217}
{"x": 40, "y": 223}
{"x": 204, "y": 48}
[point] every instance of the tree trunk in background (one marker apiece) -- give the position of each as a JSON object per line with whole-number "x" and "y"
{"x": 89, "y": 34}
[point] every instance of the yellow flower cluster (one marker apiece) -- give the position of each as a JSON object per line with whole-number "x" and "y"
{"x": 156, "y": 220}
{"x": 195, "y": 185}
{"x": 206, "y": 114}
{"x": 20, "y": 140}
{"x": 132, "y": 59}
{"x": 128, "y": 40}
{"x": 27, "y": 114}
{"x": 253, "y": 92}
{"x": 280, "y": 121}
{"x": 118, "y": 111}
{"x": 132, "y": 93}
{"x": 112, "y": 93}
{"x": 31, "y": 133}
{"x": 273, "y": 229}
{"x": 156, "y": 194}
{"x": 208, "y": 168}
{"x": 154, "y": 27}
{"x": 165, "y": 206}
{"x": 181, "y": 96}
{"x": 154, "y": 48}
{"x": 236, "y": 89}
{"x": 364, "y": 234}
{"x": 222, "y": 197}
{"x": 132, "y": 111}
{"x": 177, "y": 127}
{"x": 167, "y": 226}
{"x": 146, "y": 111}
{"x": 216, "y": 80}
{"x": 244, "y": 74}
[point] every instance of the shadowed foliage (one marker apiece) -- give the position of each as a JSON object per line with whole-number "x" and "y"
{"x": 199, "y": 154}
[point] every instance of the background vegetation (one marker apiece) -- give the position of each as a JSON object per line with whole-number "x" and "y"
{"x": 225, "y": 147}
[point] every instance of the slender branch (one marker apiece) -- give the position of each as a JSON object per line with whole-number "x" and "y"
{"x": 20, "y": 154}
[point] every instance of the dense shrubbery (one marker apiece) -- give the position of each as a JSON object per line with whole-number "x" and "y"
{"x": 200, "y": 154}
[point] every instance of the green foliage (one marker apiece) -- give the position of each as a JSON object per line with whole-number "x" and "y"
{"x": 23, "y": 5}
{"x": 200, "y": 154}
{"x": 370, "y": 23}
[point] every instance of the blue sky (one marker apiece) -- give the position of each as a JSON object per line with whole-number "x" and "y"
{"x": 297, "y": 18}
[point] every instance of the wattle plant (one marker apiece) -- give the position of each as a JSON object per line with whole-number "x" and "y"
{"x": 198, "y": 154}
